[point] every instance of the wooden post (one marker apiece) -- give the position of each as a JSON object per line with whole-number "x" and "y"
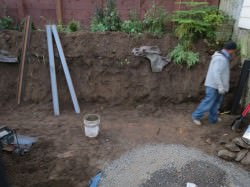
{"x": 24, "y": 51}
{"x": 139, "y": 9}
{"x": 59, "y": 13}
{"x": 20, "y": 9}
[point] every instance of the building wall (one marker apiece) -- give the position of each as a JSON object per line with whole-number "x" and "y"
{"x": 245, "y": 15}
{"x": 43, "y": 11}
{"x": 240, "y": 35}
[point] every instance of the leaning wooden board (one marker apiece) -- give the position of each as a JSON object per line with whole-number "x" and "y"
{"x": 23, "y": 58}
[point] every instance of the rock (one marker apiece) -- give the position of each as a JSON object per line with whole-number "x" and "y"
{"x": 240, "y": 155}
{"x": 224, "y": 139}
{"x": 146, "y": 109}
{"x": 227, "y": 155}
{"x": 209, "y": 141}
{"x": 157, "y": 114}
{"x": 238, "y": 141}
{"x": 246, "y": 159}
{"x": 191, "y": 185}
{"x": 232, "y": 147}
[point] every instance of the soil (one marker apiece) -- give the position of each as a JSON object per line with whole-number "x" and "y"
{"x": 63, "y": 155}
{"x": 104, "y": 70}
{"x": 137, "y": 106}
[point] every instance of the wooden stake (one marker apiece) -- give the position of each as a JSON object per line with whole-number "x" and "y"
{"x": 59, "y": 13}
{"x": 20, "y": 9}
{"x": 23, "y": 58}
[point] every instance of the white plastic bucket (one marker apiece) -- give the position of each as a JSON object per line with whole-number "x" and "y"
{"x": 91, "y": 125}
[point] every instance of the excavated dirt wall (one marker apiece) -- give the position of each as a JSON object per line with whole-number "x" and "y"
{"x": 103, "y": 69}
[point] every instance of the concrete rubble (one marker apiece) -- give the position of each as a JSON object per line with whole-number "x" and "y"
{"x": 236, "y": 150}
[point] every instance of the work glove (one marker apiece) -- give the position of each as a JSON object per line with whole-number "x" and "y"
{"x": 221, "y": 91}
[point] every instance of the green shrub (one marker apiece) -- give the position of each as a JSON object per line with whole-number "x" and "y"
{"x": 72, "y": 26}
{"x": 7, "y": 23}
{"x": 20, "y": 26}
{"x": 107, "y": 19}
{"x": 181, "y": 55}
{"x": 155, "y": 20}
{"x": 132, "y": 25}
{"x": 198, "y": 21}
{"x": 214, "y": 18}
{"x": 60, "y": 28}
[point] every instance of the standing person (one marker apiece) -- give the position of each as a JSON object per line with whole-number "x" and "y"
{"x": 217, "y": 84}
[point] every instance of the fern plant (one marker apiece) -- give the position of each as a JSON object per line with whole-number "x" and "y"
{"x": 181, "y": 55}
{"x": 198, "y": 21}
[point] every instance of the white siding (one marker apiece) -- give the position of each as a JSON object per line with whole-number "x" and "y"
{"x": 246, "y": 3}
{"x": 244, "y": 21}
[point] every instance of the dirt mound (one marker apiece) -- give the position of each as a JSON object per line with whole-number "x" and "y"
{"x": 103, "y": 69}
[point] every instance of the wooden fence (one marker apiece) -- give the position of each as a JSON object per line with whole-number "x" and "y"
{"x": 51, "y": 11}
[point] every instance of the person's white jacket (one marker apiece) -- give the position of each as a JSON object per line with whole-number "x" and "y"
{"x": 218, "y": 75}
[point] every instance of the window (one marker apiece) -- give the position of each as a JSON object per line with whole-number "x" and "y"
{"x": 244, "y": 21}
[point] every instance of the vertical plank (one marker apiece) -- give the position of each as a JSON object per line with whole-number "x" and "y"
{"x": 20, "y": 9}
{"x": 23, "y": 58}
{"x": 52, "y": 71}
{"x": 66, "y": 70}
{"x": 5, "y": 7}
{"x": 139, "y": 9}
{"x": 59, "y": 13}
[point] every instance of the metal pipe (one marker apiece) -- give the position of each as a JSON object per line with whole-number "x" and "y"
{"x": 66, "y": 70}
{"x": 52, "y": 71}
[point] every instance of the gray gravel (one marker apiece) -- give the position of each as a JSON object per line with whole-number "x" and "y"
{"x": 174, "y": 166}
{"x": 192, "y": 172}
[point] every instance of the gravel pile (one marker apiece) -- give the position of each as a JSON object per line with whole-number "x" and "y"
{"x": 192, "y": 172}
{"x": 171, "y": 165}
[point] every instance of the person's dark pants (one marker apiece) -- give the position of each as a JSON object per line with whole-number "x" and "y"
{"x": 3, "y": 180}
{"x": 211, "y": 103}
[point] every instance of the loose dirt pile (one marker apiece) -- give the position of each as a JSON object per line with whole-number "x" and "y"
{"x": 172, "y": 165}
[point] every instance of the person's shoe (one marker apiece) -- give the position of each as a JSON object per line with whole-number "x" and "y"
{"x": 197, "y": 122}
{"x": 219, "y": 120}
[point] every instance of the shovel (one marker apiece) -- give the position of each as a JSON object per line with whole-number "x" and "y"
{"x": 237, "y": 122}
